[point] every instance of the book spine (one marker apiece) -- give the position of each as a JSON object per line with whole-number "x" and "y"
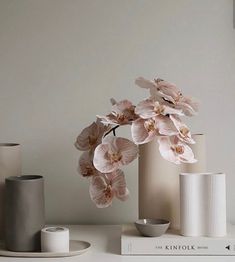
{"x": 208, "y": 246}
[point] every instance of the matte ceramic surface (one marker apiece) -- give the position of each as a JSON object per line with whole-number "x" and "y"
{"x": 152, "y": 227}
{"x": 24, "y": 213}
{"x": 77, "y": 247}
{"x": 158, "y": 185}
{"x": 203, "y": 204}
{"x": 10, "y": 165}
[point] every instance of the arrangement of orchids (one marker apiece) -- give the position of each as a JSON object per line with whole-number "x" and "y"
{"x": 158, "y": 117}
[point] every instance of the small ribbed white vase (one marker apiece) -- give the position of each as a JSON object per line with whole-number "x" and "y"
{"x": 203, "y": 204}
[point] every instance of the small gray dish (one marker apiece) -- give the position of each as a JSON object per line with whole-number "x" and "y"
{"x": 152, "y": 227}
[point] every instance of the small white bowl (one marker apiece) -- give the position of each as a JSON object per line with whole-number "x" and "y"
{"x": 152, "y": 227}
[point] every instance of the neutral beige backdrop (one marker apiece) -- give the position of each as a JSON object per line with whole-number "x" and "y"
{"x": 61, "y": 61}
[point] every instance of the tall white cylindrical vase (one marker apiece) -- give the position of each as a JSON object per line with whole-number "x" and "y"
{"x": 203, "y": 204}
{"x": 10, "y": 165}
{"x": 158, "y": 185}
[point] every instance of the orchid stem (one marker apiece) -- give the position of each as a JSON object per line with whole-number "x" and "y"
{"x": 112, "y": 130}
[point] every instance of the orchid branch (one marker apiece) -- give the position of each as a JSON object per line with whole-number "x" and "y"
{"x": 112, "y": 130}
{"x": 155, "y": 117}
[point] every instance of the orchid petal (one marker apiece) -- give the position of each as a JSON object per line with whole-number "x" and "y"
{"x": 83, "y": 140}
{"x": 144, "y": 83}
{"x": 184, "y": 132}
{"x": 91, "y": 136}
{"x": 86, "y": 167}
{"x": 104, "y": 187}
{"x": 188, "y": 105}
{"x": 109, "y": 119}
{"x": 165, "y": 126}
{"x": 160, "y": 96}
{"x": 149, "y": 108}
{"x": 101, "y": 160}
{"x": 175, "y": 151}
{"x": 166, "y": 151}
{"x": 97, "y": 189}
{"x": 127, "y": 149}
{"x": 140, "y": 134}
{"x": 187, "y": 156}
{"x": 119, "y": 185}
{"x": 168, "y": 89}
{"x": 113, "y": 153}
{"x": 123, "y": 113}
{"x": 170, "y": 110}
{"x": 121, "y": 106}
{"x": 145, "y": 109}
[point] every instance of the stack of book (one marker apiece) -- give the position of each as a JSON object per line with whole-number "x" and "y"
{"x": 172, "y": 243}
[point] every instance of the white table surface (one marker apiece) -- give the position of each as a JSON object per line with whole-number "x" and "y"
{"x": 105, "y": 241}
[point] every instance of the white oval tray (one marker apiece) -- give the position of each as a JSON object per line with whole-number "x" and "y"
{"x": 76, "y": 247}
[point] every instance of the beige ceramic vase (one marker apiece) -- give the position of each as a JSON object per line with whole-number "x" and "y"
{"x": 158, "y": 185}
{"x": 159, "y": 195}
{"x": 10, "y": 165}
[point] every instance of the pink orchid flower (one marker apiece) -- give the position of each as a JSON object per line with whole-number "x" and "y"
{"x": 166, "y": 90}
{"x": 145, "y": 130}
{"x": 150, "y": 108}
{"x": 122, "y": 113}
{"x": 145, "y": 83}
{"x": 167, "y": 93}
{"x": 91, "y": 136}
{"x": 105, "y": 187}
{"x": 113, "y": 153}
{"x": 160, "y": 89}
{"x": 188, "y": 105}
{"x": 85, "y": 165}
{"x": 175, "y": 151}
{"x": 184, "y": 132}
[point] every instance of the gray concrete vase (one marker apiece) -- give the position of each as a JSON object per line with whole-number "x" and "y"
{"x": 24, "y": 214}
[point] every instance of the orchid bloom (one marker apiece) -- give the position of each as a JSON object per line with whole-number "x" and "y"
{"x": 160, "y": 89}
{"x": 85, "y": 165}
{"x": 113, "y": 153}
{"x": 188, "y": 105}
{"x": 150, "y": 108}
{"x": 91, "y": 136}
{"x": 105, "y": 187}
{"x": 175, "y": 151}
{"x": 122, "y": 113}
{"x": 145, "y": 130}
{"x": 184, "y": 132}
{"x": 167, "y": 93}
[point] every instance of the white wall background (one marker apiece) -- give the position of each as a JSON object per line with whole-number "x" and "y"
{"x": 61, "y": 61}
